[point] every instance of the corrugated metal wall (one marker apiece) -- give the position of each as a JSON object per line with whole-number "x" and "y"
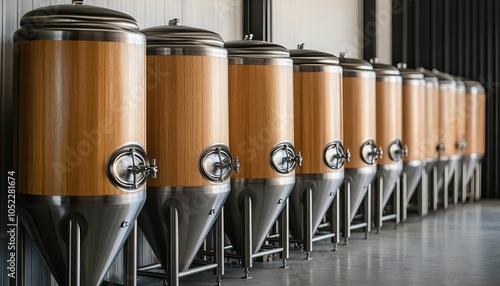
{"x": 328, "y": 25}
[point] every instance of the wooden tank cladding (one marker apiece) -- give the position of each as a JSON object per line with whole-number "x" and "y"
{"x": 431, "y": 120}
{"x": 447, "y": 119}
{"x": 359, "y": 116}
{"x": 187, "y": 104}
{"x": 318, "y": 116}
{"x": 413, "y": 119}
{"x": 461, "y": 115}
{"x": 78, "y": 102}
{"x": 481, "y": 123}
{"x": 260, "y": 116}
{"x": 389, "y": 115}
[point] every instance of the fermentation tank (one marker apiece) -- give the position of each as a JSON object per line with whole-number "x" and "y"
{"x": 81, "y": 130}
{"x": 449, "y": 156}
{"x": 474, "y": 128}
{"x": 188, "y": 130}
{"x": 261, "y": 128}
{"x": 359, "y": 134}
{"x": 317, "y": 80}
{"x": 389, "y": 104}
{"x": 413, "y": 131}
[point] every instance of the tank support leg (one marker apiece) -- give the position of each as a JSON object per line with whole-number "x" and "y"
{"x": 396, "y": 198}
{"x": 131, "y": 258}
{"x": 247, "y": 234}
{"x": 308, "y": 231}
{"x": 446, "y": 186}
{"x": 334, "y": 224}
{"x": 463, "y": 183}
{"x": 367, "y": 212}
{"x": 379, "y": 192}
{"x": 173, "y": 247}
{"x": 73, "y": 252}
{"x": 284, "y": 223}
{"x": 456, "y": 184}
{"x": 20, "y": 248}
{"x": 423, "y": 195}
{"x": 435, "y": 190}
{"x": 347, "y": 212}
{"x": 219, "y": 247}
{"x": 477, "y": 189}
{"x": 404, "y": 200}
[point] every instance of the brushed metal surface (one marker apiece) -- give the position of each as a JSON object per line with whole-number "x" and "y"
{"x": 197, "y": 208}
{"x": 359, "y": 178}
{"x": 413, "y": 170}
{"x": 390, "y": 173}
{"x": 268, "y": 199}
{"x": 324, "y": 189}
{"x": 105, "y": 223}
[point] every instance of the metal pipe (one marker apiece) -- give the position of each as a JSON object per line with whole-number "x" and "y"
{"x": 435, "y": 192}
{"x": 396, "y": 197}
{"x": 423, "y": 195}
{"x": 21, "y": 245}
{"x": 335, "y": 217}
{"x": 131, "y": 258}
{"x": 389, "y": 217}
{"x": 173, "y": 247}
{"x": 219, "y": 246}
{"x": 347, "y": 211}
{"x": 379, "y": 189}
{"x": 404, "y": 193}
{"x": 247, "y": 234}
{"x": 284, "y": 220}
{"x": 463, "y": 183}
{"x": 367, "y": 215}
{"x": 323, "y": 236}
{"x": 149, "y": 267}
{"x": 267, "y": 252}
{"x": 445, "y": 187}
{"x": 73, "y": 251}
{"x": 357, "y": 226}
{"x": 197, "y": 269}
{"x": 308, "y": 231}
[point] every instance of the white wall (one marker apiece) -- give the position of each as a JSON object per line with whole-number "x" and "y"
{"x": 331, "y": 26}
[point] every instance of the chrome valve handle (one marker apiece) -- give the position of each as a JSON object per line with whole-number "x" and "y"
{"x": 225, "y": 164}
{"x": 377, "y": 153}
{"x": 404, "y": 151}
{"x": 137, "y": 169}
{"x": 441, "y": 147}
{"x": 462, "y": 145}
{"x": 347, "y": 155}
{"x": 216, "y": 164}
{"x": 293, "y": 159}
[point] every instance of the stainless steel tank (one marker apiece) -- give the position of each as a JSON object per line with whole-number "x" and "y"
{"x": 318, "y": 134}
{"x": 413, "y": 130}
{"x": 358, "y": 80}
{"x": 188, "y": 129}
{"x": 449, "y": 156}
{"x": 474, "y": 129}
{"x": 81, "y": 134}
{"x": 389, "y": 106}
{"x": 261, "y": 128}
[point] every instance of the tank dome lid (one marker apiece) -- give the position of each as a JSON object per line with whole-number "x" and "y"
{"x": 409, "y": 74}
{"x": 428, "y": 75}
{"x": 444, "y": 77}
{"x": 77, "y": 16}
{"x": 305, "y": 56}
{"x": 383, "y": 69}
{"x": 253, "y": 48}
{"x": 174, "y": 34}
{"x": 354, "y": 64}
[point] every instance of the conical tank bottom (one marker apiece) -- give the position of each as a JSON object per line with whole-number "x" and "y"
{"x": 197, "y": 208}
{"x": 390, "y": 174}
{"x": 452, "y": 163}
{"x": 430, "y": 164}
{"x": 104, "y": 222}
{"x": 359, "y": 179}
{"x": 324, "y": 188}
{"x": 268, "y": 198}
{"x": 413, "y": 171}
{"x": 471, "y": 162}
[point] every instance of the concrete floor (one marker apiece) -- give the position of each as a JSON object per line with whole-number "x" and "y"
{"x": 460, "y": 246}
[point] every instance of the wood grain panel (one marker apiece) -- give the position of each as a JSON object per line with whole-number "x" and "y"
{"x": 78, "y": 102}
{"x": 389, "y": 116}
{"x": 413, "y": 120}
{"x": 447, "y": 119}
{"x": 461, "y": 115}
{"x": 260, "y": 116}
{"x": 187, "y": 103}
{"x": 318, "y": 117}
{"x": 481, "y": 123}
{"x": 472, "y": 123}
{"x": 359, "y": 116}
{"x": 431, "y": 121}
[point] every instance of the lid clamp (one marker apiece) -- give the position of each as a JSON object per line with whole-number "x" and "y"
{"x": 174, "y": 22}
{"x": 248, "y": 37}
{"x": 301, "y": 46}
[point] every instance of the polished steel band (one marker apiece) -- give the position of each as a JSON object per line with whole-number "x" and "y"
{"x": 260, "y": 61}
{"x": 317, "y": 68}
{"x": 153, "y": 50}
{"x": 358, "y": 73}
{"x": 389, "y": 78}
{"x": 100, "y": 35}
